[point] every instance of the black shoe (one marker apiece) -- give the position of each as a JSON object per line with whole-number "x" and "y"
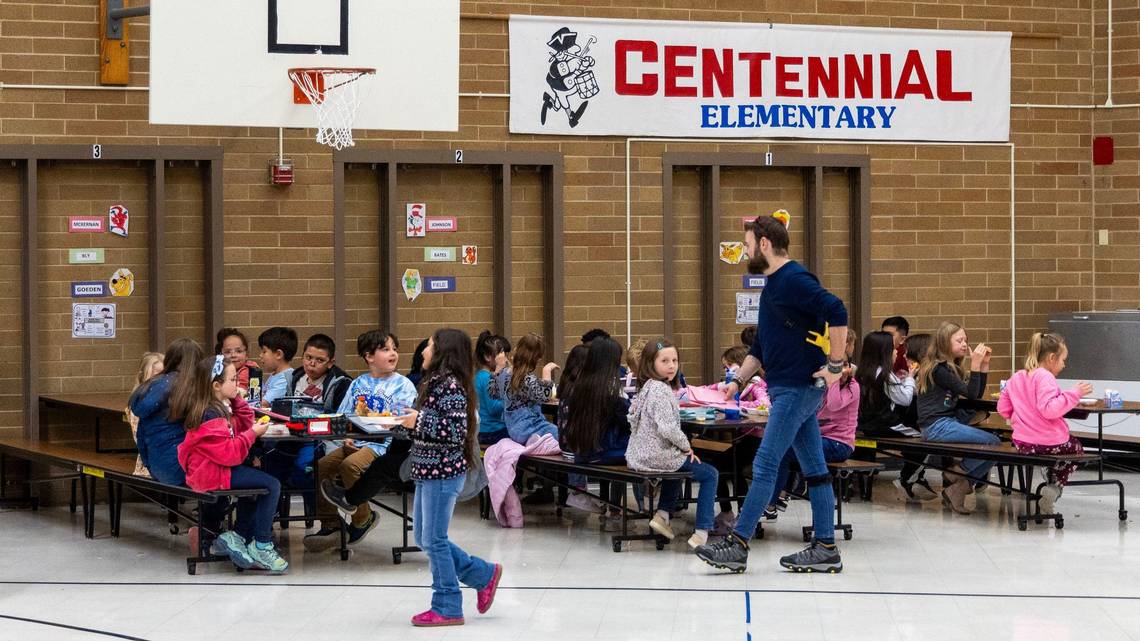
{"x": 816, "y": 557}
{"x": 357, "y": 534}
{"x": 730, "y": 553}
{"x": 334, "y": 494}
{"x": 543, "y": 496}
{"x": 323, "y": 539}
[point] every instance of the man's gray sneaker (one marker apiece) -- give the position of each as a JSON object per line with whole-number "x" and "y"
{"x": 814, "y": 558}
{"x": 730, "y": 553}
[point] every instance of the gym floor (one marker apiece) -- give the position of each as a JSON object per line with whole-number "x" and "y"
{"x": 911, "y": 572}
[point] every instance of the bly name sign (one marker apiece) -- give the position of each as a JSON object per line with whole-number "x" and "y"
{"x": 703, "y": 79}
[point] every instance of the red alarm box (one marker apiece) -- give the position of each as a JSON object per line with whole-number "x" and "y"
{"x": 281, "y": 171}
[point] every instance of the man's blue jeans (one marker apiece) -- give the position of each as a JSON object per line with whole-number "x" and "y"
{"x": 792, "y": 425}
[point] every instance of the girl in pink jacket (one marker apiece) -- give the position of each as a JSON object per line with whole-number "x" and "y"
{"x": 1034, "y": 404}
{"x": 219, "y": 433}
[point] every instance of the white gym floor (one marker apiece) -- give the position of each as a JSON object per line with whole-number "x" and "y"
{"x": 911, "y": 572}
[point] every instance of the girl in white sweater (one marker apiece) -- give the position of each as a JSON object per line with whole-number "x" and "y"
{"x": 657, "y": 443}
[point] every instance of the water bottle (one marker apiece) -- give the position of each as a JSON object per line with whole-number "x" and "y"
{"x": 254, "y": 386}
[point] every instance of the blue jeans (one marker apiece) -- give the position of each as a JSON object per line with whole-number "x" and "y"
{"x": 255, "y": 515}
{"x": 165, "y": 468}
{"x": 450, "y": 565}
{"x": 792, "y": 425}
{"x": 833, "y": 452}
{"x": 706, "y": 475}
{"x": 948, "y": 430}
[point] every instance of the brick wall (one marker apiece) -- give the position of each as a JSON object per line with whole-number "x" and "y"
{"x": 940, "y": 214}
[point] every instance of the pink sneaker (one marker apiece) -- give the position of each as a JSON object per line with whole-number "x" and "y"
{"x": 432, "y": 619}
{"x": 486, "y": 596}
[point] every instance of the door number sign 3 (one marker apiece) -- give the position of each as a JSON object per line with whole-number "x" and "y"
{"x": 96, "y": 151}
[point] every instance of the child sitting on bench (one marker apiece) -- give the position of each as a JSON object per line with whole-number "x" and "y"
{"x": 657, "y": 443}
{"x": 219, "y": 434}
{"x": 1035, "y": 406}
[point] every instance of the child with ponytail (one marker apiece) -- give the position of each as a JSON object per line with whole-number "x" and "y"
{"x": 219, "y": 433}
{"x": 1035, "y": 405}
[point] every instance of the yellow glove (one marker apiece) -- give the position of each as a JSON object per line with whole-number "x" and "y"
{"x": 822, "y": 341}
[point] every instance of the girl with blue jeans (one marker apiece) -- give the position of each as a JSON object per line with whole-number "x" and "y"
{"x": 942, "y": 380}
{"x": 523, "y": 392}
{"x": 444, "y": 444}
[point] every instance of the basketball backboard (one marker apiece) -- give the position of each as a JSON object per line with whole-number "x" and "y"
{"x": 226, "y": 62}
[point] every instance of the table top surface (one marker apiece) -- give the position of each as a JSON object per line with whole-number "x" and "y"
{"x": 723, "y": 424}
{"x": 104, "y": 401}
{"x": 990, "y": 405}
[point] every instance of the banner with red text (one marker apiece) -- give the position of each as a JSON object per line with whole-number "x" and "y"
{"x": 584, "y": 76}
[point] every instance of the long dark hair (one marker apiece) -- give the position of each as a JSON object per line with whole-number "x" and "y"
{"x": 417, "y": 357}
{"x": 876, "y": 360}
{"x": 592, "y": 399}
{"x": 452, "y": 356}
{"x": 575, "y": 359}
{"x": 193, "y": 395}
{"x": 487, "y": 347}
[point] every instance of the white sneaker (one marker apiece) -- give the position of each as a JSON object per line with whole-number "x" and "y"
{"x": 580, "y": 501}
{"x": 660, "y": 524}
{"x": 1049, "y": 495}
{"x": 699, "y": 538}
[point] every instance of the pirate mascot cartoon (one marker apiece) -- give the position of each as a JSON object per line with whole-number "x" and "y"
{"x": 569, "y": 77}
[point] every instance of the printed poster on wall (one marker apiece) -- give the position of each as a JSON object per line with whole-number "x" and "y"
{"x": 92, "y": 320}
{"x": 747, "y": 308}
{"x": 416, "y": 214}
{"x": 593, "y": 76}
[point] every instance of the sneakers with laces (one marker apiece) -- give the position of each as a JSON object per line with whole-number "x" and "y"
{"x": 232, "y": 545}
{"x": 817, "y": 557}
{"x": 781, "y": 503}
{"x": 334, "y": 494}
{"x": 323, "y": 539}
{"x": 356, "y": 533}
{"x": 771, "y": 513}
{"x": 922, "y": 491}
{"x": 730, "y": 553}
{"x": 266, "y": 557}
{"x": 660, "y": 524}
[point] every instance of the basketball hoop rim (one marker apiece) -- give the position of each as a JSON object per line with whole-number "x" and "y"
{"x": 359, "y": 70}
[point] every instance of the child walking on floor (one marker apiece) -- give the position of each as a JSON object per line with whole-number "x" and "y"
{"x": 657, "y": 443}
{"x": 1035, "y": 405}
{"x": 444, "y": 436}
{"x": 219, "y": 433}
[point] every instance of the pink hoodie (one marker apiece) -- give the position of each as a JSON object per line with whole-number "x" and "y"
{"x": 1034, "y": 404}
{"x": 212, "y": 448}
{"x": 840, "y": 413}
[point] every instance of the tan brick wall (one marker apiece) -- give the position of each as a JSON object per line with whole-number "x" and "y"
{"x": 940, "y": 214}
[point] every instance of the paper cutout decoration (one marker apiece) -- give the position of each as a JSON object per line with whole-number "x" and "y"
{"x": 417, "y": 213}
{"x": 89, "y": 256}
{"x": 439, "y": 284}
{"x": 92, "y": 320}
{"x": 442, "y": 223}
{"x": 122, "y": 282}
{"x": 470, "y": 255}
{"x": 120, "y": 220}
{"x": 753, "y": 281}
{"x": 732, "y": 253}
{"x": 85, "y": 224}
{"x": 412, "y": 283}
{"x": 783, "y": 216}
{"x": 747, "y": 308}
{"x": 439, "y": 254}
{"x": 88, "y": 288}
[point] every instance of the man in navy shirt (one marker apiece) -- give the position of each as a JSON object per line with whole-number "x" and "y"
{"x": 794, "y": 309}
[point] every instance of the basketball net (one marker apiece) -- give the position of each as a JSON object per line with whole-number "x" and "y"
{"x": 335, "y": 95}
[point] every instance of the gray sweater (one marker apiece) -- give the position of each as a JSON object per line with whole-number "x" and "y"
{"x": 656, "y": 442}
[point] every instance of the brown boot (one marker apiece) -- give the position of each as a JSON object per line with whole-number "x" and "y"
{"x": 954, "y": 495}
